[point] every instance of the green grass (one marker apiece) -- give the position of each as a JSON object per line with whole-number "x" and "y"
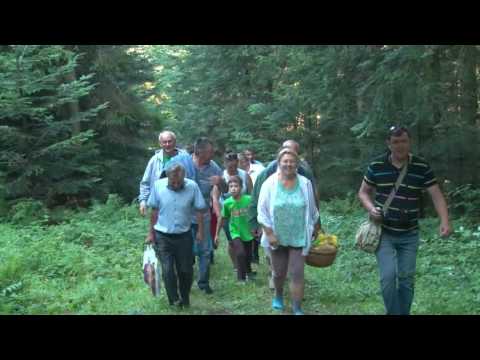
{"x": 92, "y": 264}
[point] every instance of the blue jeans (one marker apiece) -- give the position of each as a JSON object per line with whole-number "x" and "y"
{"x": 203, "y": 250}
{"x": 396, "y": 258}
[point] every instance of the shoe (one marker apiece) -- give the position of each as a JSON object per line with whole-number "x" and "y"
{"x": 277, "y": 304}
{"x": 298, "y": 312}
{"x": 174, "y": 303}
{"x": 208, "y": 290}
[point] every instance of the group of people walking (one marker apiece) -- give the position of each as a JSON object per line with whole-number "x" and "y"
{"x": 277, "y": 208}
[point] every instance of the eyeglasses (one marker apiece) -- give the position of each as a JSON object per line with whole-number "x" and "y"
{"x": 231, "y": 157}
{"x": 397, "y": 130}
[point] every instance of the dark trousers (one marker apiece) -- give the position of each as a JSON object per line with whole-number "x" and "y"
{"x": 256, "y": 243}
{"x": 243, "y": 253}
{"x": 175, "y": 252}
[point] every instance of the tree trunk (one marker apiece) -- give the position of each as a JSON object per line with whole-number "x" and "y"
{"x": 73, "y": 107}
{"x": 469, "y": 104}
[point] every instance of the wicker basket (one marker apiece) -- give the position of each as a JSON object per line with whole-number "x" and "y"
{"x": 321, "y": 256}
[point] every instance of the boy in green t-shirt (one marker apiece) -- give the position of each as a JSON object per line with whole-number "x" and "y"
{"x": 235, "y": 209}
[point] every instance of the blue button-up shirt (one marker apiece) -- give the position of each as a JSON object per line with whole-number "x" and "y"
{"x": 200, "y": 175}
{"x": 175, "y": 208}
{"x": 152, "y": 173}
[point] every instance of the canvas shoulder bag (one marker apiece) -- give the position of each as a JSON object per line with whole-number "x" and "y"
{"x": 369, "y": 233}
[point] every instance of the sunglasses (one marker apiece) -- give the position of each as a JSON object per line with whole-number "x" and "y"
{"x": 397, "y": 130}
{"x": 231, "y": 157}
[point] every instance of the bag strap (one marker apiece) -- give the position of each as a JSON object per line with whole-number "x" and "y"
{"x": 396, "y": 187}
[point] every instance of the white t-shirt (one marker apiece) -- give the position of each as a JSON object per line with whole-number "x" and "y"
{"x": 254, "y": 171}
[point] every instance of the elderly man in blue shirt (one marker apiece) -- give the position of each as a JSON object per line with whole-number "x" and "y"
{"x": 155, "y": 166}
{"x": 175, "y": 200}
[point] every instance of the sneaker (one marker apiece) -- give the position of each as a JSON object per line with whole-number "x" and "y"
{"x": 277, "y": 304}
{"x": 174, "y": 303}
{"x": 298, "y": 312}
{"x": 208, "y": 290}
{"x": 181, "y": 304}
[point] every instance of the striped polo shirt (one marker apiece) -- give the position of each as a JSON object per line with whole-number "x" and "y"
{"x": 402, "y": 215}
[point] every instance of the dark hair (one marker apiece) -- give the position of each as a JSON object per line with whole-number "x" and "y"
{"x": 189, "y": 148}
{"x": 397, "y": 130}
{"x": 235, "y": 179}
{"x": 201, "y": 144}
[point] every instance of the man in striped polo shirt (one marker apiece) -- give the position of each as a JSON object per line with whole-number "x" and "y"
{"x": 397, "y": 252}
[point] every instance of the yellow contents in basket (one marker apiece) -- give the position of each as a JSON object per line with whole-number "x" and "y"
{"x": 325, "y": 239}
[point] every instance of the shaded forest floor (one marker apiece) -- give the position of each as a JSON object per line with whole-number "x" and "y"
{"x": 91, "y": 263}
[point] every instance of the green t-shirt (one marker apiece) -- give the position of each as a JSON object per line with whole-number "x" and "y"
{"x": 166, "y": 159}
{"x": 236, "y": 212}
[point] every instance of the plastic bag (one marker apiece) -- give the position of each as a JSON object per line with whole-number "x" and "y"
{"x": 151, "y": 270}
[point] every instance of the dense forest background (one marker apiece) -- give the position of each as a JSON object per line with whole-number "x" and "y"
{"x": 80, "y": 122}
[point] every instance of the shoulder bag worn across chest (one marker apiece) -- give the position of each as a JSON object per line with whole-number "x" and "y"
{"x": 369, "y": 233}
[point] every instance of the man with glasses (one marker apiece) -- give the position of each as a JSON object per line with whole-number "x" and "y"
{"x": 397, "y": 251}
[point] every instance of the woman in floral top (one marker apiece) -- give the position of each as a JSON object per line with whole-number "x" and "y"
{"x": 289, "y": 217}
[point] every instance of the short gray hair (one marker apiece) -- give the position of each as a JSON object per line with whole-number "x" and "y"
{"x": 294, "y": 145}
{"x": 167, "y": 132}
{"x": 175, "y": 169}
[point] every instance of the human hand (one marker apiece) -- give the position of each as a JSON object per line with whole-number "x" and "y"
{"x": 142, "y": 209}
{"x": 273, "y": 241}
{"x": 199, "y": 237}
{"x": 445, "y": 229}
{"x": 149, "y": 239}
{"x": 215, "y": 242}
{"x": 375, "y": 213}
